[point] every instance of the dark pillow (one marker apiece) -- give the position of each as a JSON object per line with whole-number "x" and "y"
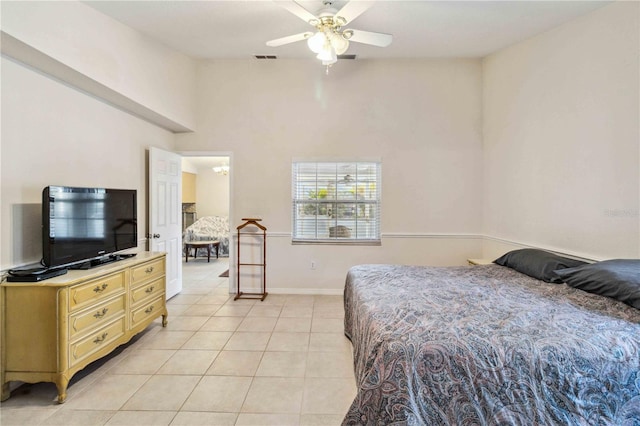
{"x": 538, "y": 264}
{"x": 617, "y": 278}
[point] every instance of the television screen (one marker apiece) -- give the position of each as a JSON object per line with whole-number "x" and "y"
{"x": 80, "y": 224}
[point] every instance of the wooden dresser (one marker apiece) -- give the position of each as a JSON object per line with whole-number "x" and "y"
{"x": 55, "y": 328}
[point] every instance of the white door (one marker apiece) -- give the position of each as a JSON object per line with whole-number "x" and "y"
{"x": 165, "y": 213}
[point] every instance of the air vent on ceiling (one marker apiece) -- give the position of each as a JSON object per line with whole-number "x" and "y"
{"x": 347, "y": 56}
{"x": 265, "y": 56}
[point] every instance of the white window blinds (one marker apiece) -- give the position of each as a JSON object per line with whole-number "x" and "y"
{"x": 336, "y": 202}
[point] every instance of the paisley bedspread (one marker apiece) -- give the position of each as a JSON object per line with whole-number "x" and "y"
{"x": 210, "y": 228}
{"x": 485, "y": 345}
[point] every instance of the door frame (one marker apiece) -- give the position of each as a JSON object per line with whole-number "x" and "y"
{"x": 232, "y": 254}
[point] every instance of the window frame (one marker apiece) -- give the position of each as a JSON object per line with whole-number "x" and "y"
{"x": 367, "y": 228}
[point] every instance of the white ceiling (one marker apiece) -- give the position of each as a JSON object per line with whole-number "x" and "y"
{"x": 421, "y": 29}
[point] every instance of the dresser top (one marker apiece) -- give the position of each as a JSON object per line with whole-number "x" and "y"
{"x": 74, "y": 276}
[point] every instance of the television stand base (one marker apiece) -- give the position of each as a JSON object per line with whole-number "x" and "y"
{"x": 26, "y": 277}
{"x": 93, "y": 263}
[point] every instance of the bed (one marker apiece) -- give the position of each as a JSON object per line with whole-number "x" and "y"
{"x": 488, "y": 345}
{"x": 209, "y": 228}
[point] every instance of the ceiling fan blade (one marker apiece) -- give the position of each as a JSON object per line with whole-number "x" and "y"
{"x": 352, "y": 10}
{"x": 289, "y": 39}
{"x": 367, "y": 37}
{"x": 299, "y": 11}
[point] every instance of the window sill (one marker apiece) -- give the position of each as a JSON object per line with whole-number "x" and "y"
{"x": 338, "y": 242}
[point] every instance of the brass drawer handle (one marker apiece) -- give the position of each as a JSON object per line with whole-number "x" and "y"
{"x": 100, "y": 314}
{"x": 149, "y": 289}
{"x": 101, "y": 288}
{"x": 149, "y": 310}
{"x": 149, "y": 270}
{"x": 100, "y": 339}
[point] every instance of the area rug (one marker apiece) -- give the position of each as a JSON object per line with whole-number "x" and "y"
{"x": 224, "y": 274}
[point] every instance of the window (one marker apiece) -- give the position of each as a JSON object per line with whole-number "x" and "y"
{"x": 336, "y": 202}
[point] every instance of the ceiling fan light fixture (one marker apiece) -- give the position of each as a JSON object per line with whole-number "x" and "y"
{"x": 328, "y": 54}
{"x": 329, "y": 41}
{"x": 339, "y": 43}
{"x": 339, "y": 21}
{"x": 330, "y": 62}
{"x": 221, "y": 170}
{"x": 347, "y": 34}
{"x": 316, "y": 42}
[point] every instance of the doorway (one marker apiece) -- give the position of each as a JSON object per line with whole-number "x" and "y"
{"x": 206, "y": 216}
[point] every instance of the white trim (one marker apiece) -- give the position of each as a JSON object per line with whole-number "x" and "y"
{"x": 206, "y": 154}
{"x": 337, "y": 242}
{"x": 336, "y": 160}
{"x": 282, "y": 234}
{"x": 431, "y": 235}
{"x": 415, "y": 235}
{"x": 279, "y": 234}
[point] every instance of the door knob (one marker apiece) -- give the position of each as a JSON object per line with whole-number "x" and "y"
{"x": 156, "y": 235}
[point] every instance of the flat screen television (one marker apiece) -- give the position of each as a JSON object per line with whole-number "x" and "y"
{"x": 81, "y": 224}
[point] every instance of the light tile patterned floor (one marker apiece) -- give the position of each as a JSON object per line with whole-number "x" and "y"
{"x": 284, "y": 361}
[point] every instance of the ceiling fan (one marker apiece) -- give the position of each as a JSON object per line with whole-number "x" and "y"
{"x": 331, "y": 39}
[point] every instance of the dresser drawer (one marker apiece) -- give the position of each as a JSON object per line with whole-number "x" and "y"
{"x": 147, "y": 271}
{"x": 95, "y": 341}
{"x": 96, "y": 316}
{"x": 96, "y": 290}
{"x": 151, "y": 289}
{"x": 149, "y": 310}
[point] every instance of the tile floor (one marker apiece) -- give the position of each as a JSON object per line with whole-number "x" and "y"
{"x": 283, "y": 361}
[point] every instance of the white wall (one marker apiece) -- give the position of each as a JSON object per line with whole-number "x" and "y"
{"x": 561, "y": 138}
{"x": 212, "y": 193}
{"x": 107, "y": 52}
{"x": 421, "y": 117}
{"x": 55, "y": 135}
{"x": 558, "y": 166}
{"x": 188, "y": 166}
